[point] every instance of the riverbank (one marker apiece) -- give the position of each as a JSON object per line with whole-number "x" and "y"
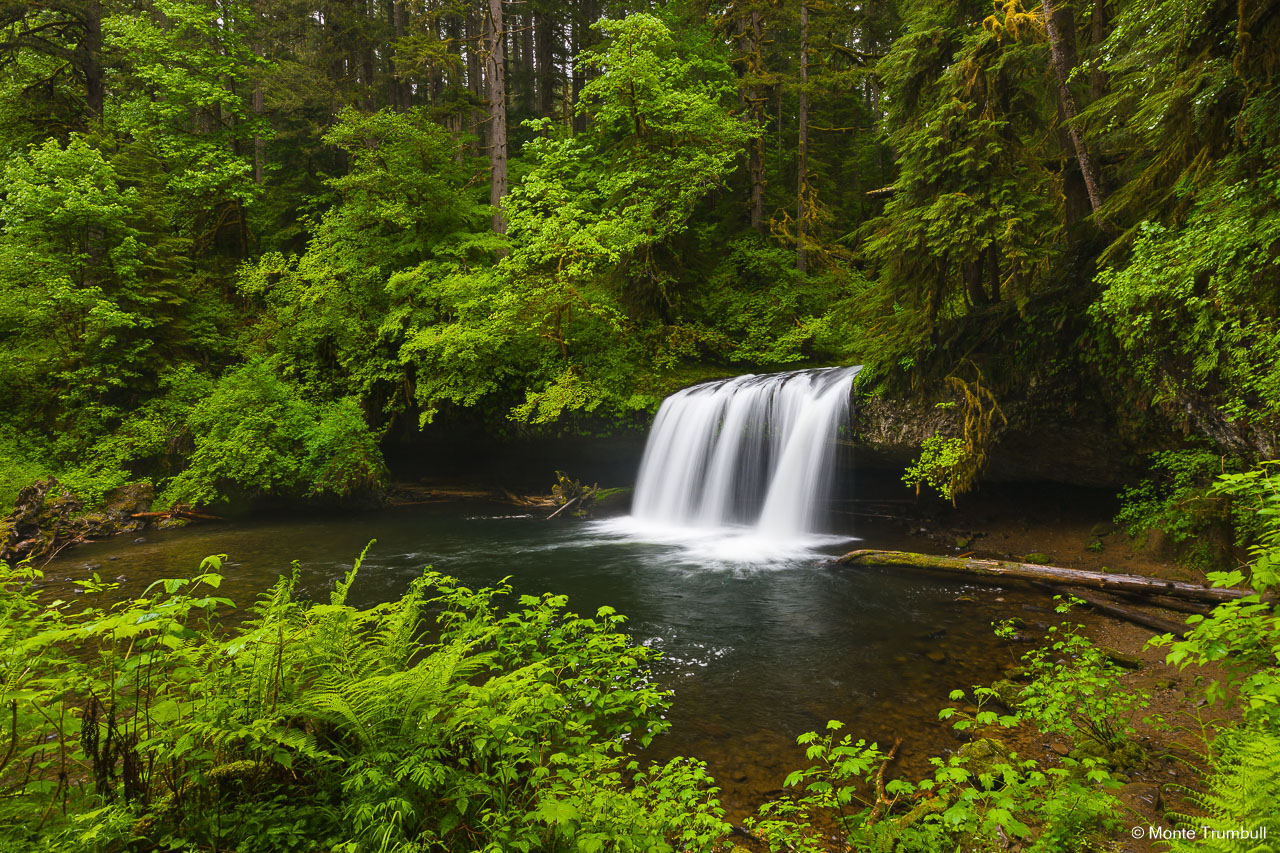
{"x": 756, "y": 656}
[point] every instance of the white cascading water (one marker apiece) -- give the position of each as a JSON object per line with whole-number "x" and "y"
{"x": 752, "y": 451}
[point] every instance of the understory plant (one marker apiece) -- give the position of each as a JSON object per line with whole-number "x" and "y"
{"x": 984, "y": 797}
{"x": 1240, "y": 639}
{"x": 449, "y": 719}
{"x": 1076, "y": 691}
{"x": 1179, "y": 498}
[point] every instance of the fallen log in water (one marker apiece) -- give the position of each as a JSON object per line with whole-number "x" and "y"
{"x": 176, "y": 512}
{"x": 1128, "y": 614}
{"x": 1004, "y": 570}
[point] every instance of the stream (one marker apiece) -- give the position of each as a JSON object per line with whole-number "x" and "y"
{"x": 758, "y": 646}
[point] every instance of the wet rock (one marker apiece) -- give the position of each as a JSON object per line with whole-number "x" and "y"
{"x": 1121, "y": 659}
{"x": 984, "y": 754}
{"x": 1008, "y": 693}
{"x": 1141, "y": 797}
{"x": 42, "y": 522}
{"x": 47, "y": 518}
{"x": 139, "y": 540}
{"x": 936, "y": 655}
{"x": 1127, "y": 756}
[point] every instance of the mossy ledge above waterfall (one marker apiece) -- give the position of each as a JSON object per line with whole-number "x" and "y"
{"x": 1052, "y": 431}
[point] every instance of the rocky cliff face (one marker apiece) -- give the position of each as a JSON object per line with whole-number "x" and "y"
{"x": 1044, "y": 440}
{"x": 1077, "y": 429}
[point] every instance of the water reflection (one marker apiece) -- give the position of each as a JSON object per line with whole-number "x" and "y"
{"x": 757, "y": 649}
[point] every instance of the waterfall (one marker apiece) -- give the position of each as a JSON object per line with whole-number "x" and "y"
{"x": 755, "y": 451}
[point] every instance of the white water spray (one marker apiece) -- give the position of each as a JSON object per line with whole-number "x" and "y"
{"x": 752, "y": 451}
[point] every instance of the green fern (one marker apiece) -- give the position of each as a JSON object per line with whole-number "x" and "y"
{"x": 1241, "y": 797}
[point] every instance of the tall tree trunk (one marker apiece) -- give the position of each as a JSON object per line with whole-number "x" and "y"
{"x": 974, "y": 279}
{"x": 756, "y": 102}
{"x": 496, "y": 73}
{"x": 397, "y": 89}
{"x": 367, "y": 58}
{"x": 1059, "y": 26}
{"x": 993, "y": 271}
{"x": 528, "y": 69}
{"x": 94, "y": 88}
{"x": 546, "y": 64}
{"x": 577, "y": 47}
{"x": 802, "y": 155}
{"x": 1098, "y": 34}
{"x": 475, "y": 79}
{"x": 259, "y": 144}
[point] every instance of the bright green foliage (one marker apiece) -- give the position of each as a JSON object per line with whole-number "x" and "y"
{"x": 335, "y": 316}
{"x": 830, "y": 788}
{"x": 978, "y": 799}
{"x": 90, "y": 306}
{"x": 189, "y": 65}
{"x": 1175, "y": 499}
{"x": 1189, "y": 309}
{"x": 72, "y": 276}
{"x": 1241, "y": 638}
{"x": 940, "y": 458}
{"x": 970, "y": 217}
{"x": 1082, "y": 698}
{"x": 1194, "y": 309}
{"x": 1179, "y": 499}
{"x": 255, "y": 434}
{"x": 1238, "y": 807}
{"x": 591, "y": 226}
{"x": 445, "y": 719}
{"x": 756, "y": 309}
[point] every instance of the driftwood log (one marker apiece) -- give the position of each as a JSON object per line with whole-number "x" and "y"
{"x": 1128, "y": 614}
{"x": 176, "y": 512}
{"x": 1001, "y": 570}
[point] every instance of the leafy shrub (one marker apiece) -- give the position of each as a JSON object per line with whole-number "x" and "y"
{"x": 446, "y": 720}
{"x": 1076, "y": 691}
{"x": 1241, "y": 640}
{"x": 938, "y": 465}
{"x": 1175, "y": 498}
{"x": 19, "y": 467}
{"x": 254, "y": 433}
{"x": 977, "y": 799}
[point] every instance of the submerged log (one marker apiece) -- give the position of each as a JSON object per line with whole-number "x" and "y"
{"x": 177, "y": 512}
{"x": 562, "y": 508}
{"x": 1128, "y": 614}
{"x": 1003, "y": 570}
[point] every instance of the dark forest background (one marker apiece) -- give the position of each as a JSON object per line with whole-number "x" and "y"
{"x": 247, "y": 246}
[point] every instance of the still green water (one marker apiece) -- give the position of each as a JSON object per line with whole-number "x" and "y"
{"x": 756, "y": 652}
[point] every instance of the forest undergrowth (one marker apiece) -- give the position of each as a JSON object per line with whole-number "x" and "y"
{"x": 460, "y": 719}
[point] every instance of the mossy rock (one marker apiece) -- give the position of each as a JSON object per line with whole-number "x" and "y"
{"x": 1010, "y": 693}
{"x": 1020, "y": 674}
{"x": 1038, "y": 557}
{"x": 1127, "y": 756}
{"x": 983, "y": 755}
{"x": 922, "y": 809}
